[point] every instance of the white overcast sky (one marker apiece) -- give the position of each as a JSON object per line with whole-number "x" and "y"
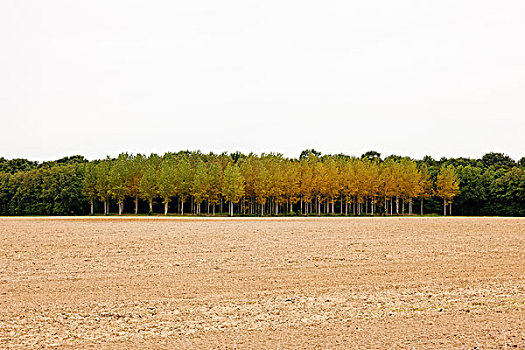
{"x": 407, "y": 77}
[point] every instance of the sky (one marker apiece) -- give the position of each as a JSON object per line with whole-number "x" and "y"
{"x": 407, "y": 77}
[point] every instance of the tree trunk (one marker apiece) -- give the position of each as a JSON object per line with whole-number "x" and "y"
{"x": 120, "y": 205}
{"x": 150, "y": 206}
{"x": 421, "y": 206}
{"x": 91, "y": 205}
{"x": 181, "y": 207}
{"x": 450, "y": 208}
{"x": 397, "y": 205}
{"x": 136, "y": 205}
{"x": 444, "y": 207}
{"x": 106, "y": 207}
{"x": 166, "y": 208}
{"x": 410, "y": 206}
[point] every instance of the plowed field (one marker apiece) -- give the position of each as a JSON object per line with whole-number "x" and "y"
{"x": 374, "y": 283}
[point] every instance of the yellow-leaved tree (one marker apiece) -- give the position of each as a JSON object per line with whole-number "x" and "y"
{"x": 447, "y": 186}
{"x": 306, "y": 184}
{"x": 291, "y": 183}
{"x": 232, "y": 186}
{"x": 426, "y": 189}
{"x": 389, "y": 183}
{"x": 411, "y": 188}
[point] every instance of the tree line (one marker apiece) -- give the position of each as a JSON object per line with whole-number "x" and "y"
{"x": 267, "y": 184}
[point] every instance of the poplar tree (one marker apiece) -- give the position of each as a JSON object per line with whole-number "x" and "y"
{"x": 374, "y": 184}
{"x": 182, "y": 179}
{"x": 425, "y": 185}
{"x": 261, "y": 184}
{"x": 389, "y": 183}
{"x": 148, "y": 188}
{"x": 332, "y": 182}
{"x": 215, "y": 178}
{"x": 89, "y": 188}
{"x": 306, "y": 184}
{"x": 291, "y": 183}
{"x": 167, "y": 186}
{"x": 362, "y": 181}
{"x": 318, "y": 184}
{"x": 275, "y": 180}
{"x": 102, "y": 170}
{"x": 397, "y": 174}
{"x": 199, "y": 183}
{"x": 411, "y": 181}
{"x": 350, "y": 182}
{"x": 447, "y": 186}
{"x": 118, "y": 180}
{"x": 233, "y": 186}
{"x": 134, "y": 173}
{"x": 248, "y": 167}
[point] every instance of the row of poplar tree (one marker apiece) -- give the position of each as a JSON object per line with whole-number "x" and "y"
{"x": 191, "y": 182}
{"x": 239, "y": 184}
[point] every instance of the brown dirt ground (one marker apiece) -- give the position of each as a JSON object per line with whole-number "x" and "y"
{"x": 381, "y": 283}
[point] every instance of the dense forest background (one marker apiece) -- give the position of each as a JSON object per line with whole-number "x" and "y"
{"x": 270, "y": 184}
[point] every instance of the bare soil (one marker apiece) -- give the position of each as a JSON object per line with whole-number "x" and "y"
{"x": 374, "y": 283}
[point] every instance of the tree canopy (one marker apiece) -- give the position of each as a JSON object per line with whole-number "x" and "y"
{"x": 267, "y": 184}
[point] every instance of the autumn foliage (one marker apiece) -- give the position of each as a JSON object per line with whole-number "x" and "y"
{"x": 269, "y": 184}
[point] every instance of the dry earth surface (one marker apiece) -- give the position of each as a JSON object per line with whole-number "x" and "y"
{"x": 382, "y": 283}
